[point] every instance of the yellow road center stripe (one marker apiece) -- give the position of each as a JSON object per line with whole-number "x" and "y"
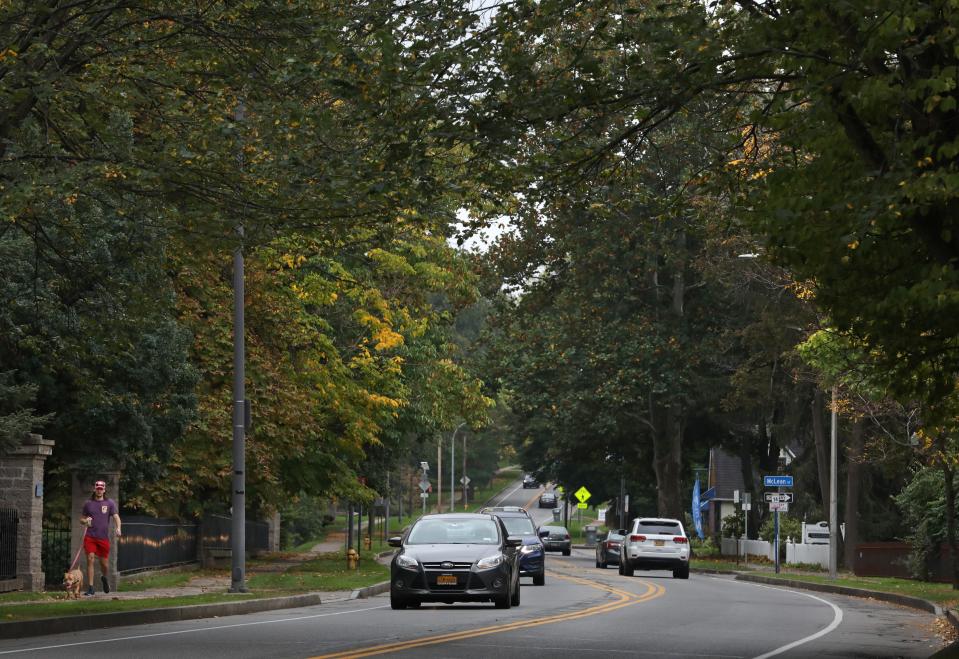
{"x": 625, "y": 599}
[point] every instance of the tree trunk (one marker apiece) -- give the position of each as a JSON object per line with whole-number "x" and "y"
{"x": 854, "y": 471}
{"x": 951, "y": 521}
{"x": 749, "y": 483}
{"x": 667, "y": 461}
{"x": 822, "y": 446}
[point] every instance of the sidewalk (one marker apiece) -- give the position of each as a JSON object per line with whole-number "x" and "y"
{"x": 202, "y": 584}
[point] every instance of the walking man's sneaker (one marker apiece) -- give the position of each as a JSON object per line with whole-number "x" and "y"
{"x": 89, "y": 592}
{"x": 106, "y": 584}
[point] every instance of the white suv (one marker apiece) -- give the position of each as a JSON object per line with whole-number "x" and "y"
{"x": 655, "y": 543}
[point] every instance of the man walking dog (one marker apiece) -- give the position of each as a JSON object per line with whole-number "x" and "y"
{"x": 96, "y": 516}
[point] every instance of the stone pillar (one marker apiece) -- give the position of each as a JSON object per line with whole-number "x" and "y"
{"x": 82, "y": 489}
{"x": 21, "y": 487}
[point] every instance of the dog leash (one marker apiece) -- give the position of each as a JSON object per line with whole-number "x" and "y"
{"x": 77, "y": 557}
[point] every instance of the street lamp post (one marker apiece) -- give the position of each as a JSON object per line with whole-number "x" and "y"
{"x": 465, "y": 481}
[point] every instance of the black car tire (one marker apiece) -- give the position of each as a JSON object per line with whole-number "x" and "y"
{"x": 597, "y": 563}
{"x": 539, "y": 579}
{"x": 503, "y": 601}
{"x": 397, "y": 603}
{"x": 514, "y": 600}
{"x": 681, "y": 573}
{"x": 627, "y": 569}
{"x": 621, "y": 566}
{"x": 566, "y": 552}
{"x": 603, "y": 564}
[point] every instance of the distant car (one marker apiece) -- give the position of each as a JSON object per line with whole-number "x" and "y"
{"x": 556, "y": 538}
{"x": 654, "y": 543}
{"x": 532, "y": 555}
{"x": 529, "y": 482}
{"x": 547, "y": 500}
{"x": 607, "y": 549}
{"x": 456, "y": 557}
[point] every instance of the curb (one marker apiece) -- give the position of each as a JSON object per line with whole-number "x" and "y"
{"x": 904, "y": 600}
{"x": 370, "y": 591}
{"x": 68, "y": 624}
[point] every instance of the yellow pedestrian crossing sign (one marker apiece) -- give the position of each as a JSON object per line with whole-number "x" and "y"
{"x": 582, "y": 494}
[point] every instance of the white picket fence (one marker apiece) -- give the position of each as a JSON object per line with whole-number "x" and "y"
{"x": 795, "y": 552}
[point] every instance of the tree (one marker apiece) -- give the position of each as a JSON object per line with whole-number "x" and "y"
{"x": 844, "y": 116}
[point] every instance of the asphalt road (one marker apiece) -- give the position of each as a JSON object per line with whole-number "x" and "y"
{"x": 580, "y": 612}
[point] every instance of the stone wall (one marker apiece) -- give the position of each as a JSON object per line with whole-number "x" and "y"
{"x": 21, "y": 488}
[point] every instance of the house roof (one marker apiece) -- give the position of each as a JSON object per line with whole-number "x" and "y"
{"x": 725, "y": 473}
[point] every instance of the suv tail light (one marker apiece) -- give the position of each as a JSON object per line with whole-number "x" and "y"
{"x": 637, "y": 538}
{"x": 566, "y": 537}
{"x": 680, "y": 540}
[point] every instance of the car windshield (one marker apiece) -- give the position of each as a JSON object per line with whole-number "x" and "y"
{"x": 519, "y": 525}
{"x": 454, "y": 532}
{"x": 659, "y": 527}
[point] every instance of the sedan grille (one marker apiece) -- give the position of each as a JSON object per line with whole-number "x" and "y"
{"x": 446, "y": 566}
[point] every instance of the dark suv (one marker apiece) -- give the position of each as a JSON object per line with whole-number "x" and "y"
{"x": 532, "y": 556}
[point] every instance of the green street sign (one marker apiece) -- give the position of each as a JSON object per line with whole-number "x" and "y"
{"x": 583, "y": 495}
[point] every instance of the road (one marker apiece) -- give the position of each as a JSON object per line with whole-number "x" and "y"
{"x": 582, "y": 611}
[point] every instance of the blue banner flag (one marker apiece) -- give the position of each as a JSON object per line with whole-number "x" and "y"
{"x": 697, "y": 513}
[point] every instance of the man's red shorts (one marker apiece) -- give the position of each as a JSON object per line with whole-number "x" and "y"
{"x": 98, "y": 546}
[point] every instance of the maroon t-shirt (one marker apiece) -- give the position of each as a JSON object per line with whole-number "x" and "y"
{"x": 101, "y": 512}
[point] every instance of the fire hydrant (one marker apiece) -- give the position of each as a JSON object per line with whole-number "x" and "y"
{"x": 352, "y": 558}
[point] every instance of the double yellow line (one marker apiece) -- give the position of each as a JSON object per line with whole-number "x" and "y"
{"x": 625, "y": 598}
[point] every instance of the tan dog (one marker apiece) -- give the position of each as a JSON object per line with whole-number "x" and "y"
{"x": 72, "y": 583}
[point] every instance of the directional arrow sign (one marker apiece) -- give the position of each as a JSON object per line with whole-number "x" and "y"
{"x": 781, "y": 497}
{"x": 582, "y": 494}
{"x": 465, "y": 480}
{"x": 777, "y": 481}
{"x": 424, "y": 485}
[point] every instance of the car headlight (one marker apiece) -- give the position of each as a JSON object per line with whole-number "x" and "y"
{"x": 489, "y": 562}
{"x": 530, "y": 549}
{"x": 407, "y": 562}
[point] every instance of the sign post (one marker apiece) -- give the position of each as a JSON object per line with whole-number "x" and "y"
{"x": 747, "y": 506}
{"x": 778, "y": 480}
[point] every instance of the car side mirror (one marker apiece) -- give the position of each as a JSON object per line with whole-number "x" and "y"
{"x": 396, "y": 541}
{"x": 621, "y": 532}
{"x": 514, "y": 541}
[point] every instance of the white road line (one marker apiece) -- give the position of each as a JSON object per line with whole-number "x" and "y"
{"x": 189, "y": 631}
{"x": 837, "y": 619}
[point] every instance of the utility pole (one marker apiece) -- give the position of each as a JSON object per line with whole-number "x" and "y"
{"x": 453, "y": 468}
{"x": 465, "y": 481}
{"x": 833, "y": 505}
{"x": 238, "y": 497}
{"x": 439, "y": 473}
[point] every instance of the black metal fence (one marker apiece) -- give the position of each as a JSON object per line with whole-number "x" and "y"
{"x": 55, "y": 553}
{"x": 148, "y": 542}
{"x": 9, "y": 520}
{"x": 217, "y": 531}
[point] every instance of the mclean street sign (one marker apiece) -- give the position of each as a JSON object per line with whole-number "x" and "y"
{"x": 777, "y": 481}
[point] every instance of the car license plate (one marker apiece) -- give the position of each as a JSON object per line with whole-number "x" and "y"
{"x": 659, "y": 543}
{"x": 446, "y": 580}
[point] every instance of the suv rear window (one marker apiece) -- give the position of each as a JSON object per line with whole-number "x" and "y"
{"x": 659, "y": 527}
